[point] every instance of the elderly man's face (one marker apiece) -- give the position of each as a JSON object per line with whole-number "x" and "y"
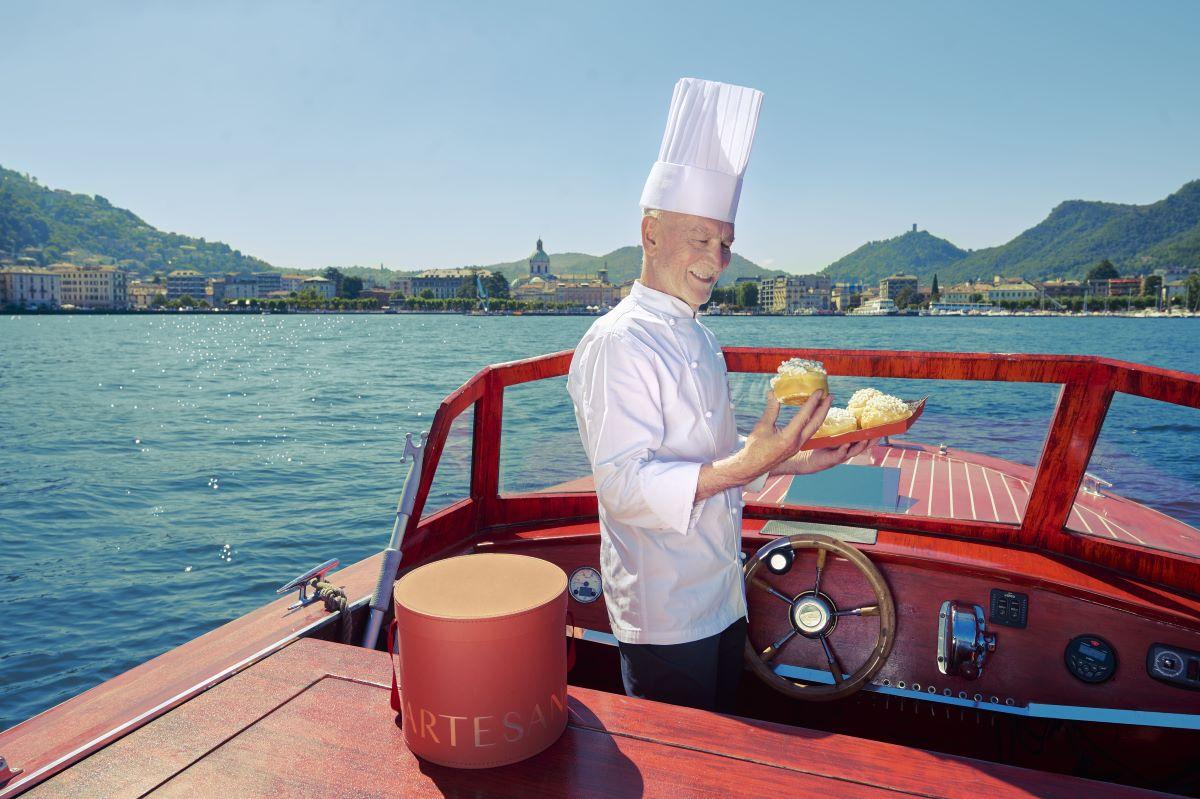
{"x": 685, "y": 254}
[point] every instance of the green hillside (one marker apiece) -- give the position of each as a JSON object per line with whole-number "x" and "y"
{"x": 56, "y": 222}
{"x": 916, "y": 253}
{"x": 1075, "y": 236}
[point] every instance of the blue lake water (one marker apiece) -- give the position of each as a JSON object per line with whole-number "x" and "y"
{"x": 162, "y": 475}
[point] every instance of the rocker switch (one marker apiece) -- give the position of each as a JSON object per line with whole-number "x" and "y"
{"x": 1008, "y": 608}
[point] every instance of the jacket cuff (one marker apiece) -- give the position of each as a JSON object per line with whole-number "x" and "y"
{"x": 669, "y": 488}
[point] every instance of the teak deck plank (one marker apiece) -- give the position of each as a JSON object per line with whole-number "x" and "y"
{"x": 314, "y": 720}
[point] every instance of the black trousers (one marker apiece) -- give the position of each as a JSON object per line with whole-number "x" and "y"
{"x": 703, "y": 674}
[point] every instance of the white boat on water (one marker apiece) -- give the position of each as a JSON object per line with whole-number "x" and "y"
{"x": 876, "y": 308}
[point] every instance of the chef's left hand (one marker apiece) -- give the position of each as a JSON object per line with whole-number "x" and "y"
{"x": 816, "y": 460}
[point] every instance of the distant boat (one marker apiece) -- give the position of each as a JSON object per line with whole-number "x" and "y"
{"x": 876, "y": 308}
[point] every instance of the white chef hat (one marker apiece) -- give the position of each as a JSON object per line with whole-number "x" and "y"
{"x": 705, "y": 147}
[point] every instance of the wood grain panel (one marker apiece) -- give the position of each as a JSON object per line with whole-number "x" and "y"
{"x": 323, "y": 727}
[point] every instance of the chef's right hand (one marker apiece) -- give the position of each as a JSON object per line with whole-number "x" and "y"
{"x": 768, "y": 445}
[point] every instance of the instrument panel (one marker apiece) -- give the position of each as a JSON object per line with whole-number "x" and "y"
{"x": 1051, "y": 647}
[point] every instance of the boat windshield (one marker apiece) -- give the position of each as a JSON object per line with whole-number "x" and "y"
{"x": 999, "y": 454}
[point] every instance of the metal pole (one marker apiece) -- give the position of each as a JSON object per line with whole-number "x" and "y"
{"x": 392, "y": 555}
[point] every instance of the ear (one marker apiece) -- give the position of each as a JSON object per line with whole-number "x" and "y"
{"x": 649, "y": 234}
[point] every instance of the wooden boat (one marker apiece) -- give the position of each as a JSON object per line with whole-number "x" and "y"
{"x": 1067, "y": 578}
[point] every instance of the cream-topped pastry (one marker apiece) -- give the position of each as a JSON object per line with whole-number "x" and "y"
{"x": 859, "y": 400}
{"x": 837, "y": 421}
{"x": 798, "y": 379}
{"x": 882, "y": 410}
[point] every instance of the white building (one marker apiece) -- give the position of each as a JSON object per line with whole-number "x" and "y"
{"x": 31, "y": 287}
{"x": 323, "y": 287}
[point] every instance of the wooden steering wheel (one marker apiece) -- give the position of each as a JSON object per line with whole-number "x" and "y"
{"x": 814, "y": 615}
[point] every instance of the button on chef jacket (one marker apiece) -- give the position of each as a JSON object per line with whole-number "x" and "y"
{"x": 653, "y": 405}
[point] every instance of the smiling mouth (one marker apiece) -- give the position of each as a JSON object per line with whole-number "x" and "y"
{"x": 709, "y": 279}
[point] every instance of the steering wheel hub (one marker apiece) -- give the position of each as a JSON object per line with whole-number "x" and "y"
{"x": 812, "y": 614}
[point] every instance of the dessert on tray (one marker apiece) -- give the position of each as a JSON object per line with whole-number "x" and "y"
{"x": 837, "y": 421}
{"x": 798, "y": 379}
{"x": 883, "y": 409}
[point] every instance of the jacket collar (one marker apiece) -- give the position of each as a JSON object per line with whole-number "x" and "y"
{"x": 660, "y": 302}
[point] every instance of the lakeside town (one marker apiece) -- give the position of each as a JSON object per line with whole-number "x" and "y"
{"x": 88, "y": 284}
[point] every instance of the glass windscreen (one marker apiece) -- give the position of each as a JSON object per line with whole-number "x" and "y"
{"x": 540, "y": 448}
{"x": 970, "y": 455}
{"x": 452, "y": 481}
{"x": 1143, "y": 480}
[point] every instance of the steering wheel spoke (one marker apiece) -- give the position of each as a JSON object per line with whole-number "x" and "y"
{"x": 835, "y": 665}
{"x": 774, "y": 649}
{"x": 759, "y": 582}
{"x": 865, "y": 610}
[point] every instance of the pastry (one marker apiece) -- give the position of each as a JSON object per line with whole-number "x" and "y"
{"x": 837, "y": 421}
{"x": 798, "y": 379}
{"x": 882, "y": 410}
{"x": 859, "y": 400}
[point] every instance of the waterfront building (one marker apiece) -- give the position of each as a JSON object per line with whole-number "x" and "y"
{"x": 891, "y": 286}
{"x": 232, "y": 287}
{"x": 382, "y": 296}
{"x": 788, "y": 294}
{"x": 404, "y": 285}
{"x": 324, "y": 287}
{"x": 445, "y": 283}
{"x": 1124, "y": 287}
{"x": 143, "y": 295}
{"x": 25, "y": 287}
{"x": 186, "y": 282}
{"x": 965, "y": 292}
{"x": 96, "y": 287}
{"x": 1062, "y": 288}
{"x": 268, "y": 282}
{"x": 290, "y": 283}
{"x": 1011, "y": 290}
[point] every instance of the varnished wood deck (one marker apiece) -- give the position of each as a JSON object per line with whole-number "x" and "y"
{"x": 314, "y": 720}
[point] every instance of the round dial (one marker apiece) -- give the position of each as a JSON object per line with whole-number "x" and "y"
{"x": 584, "y": 585}
{"x": 1168, "y": 663}
{"x": 1090, "y": 658}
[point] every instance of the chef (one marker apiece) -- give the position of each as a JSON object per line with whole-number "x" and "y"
{"x": 655, "y": 414}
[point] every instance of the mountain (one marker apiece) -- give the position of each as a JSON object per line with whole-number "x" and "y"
{"x": 916, "y": 253}
{"x": 624, "y": 263}
{"x": 56, "y": 222}
{"x": 1075, "y": 236}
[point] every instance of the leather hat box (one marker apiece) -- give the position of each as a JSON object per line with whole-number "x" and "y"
{"x": 483, "y": 660}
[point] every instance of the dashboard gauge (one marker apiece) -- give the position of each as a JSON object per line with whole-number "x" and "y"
{"x": 584, "y": 585}
{"x": 1090, "y": 658}
{"x": 1168, "y": 663}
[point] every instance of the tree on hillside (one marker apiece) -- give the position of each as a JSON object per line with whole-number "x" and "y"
{"x": 1103, "y": 271}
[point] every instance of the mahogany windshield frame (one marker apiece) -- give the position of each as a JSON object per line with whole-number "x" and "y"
{"x": 1087, "y": 385}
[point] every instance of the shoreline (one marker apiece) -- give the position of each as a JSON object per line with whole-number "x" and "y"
{"x": 406, "y": 312}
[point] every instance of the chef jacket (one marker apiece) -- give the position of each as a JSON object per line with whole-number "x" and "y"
{"x": 653, "y": 404}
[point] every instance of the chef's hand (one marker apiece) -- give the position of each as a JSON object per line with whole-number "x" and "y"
{"x": 815, "y": 460}
{"x": 768, "y": 445}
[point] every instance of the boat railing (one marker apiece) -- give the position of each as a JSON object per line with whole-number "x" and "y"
{"x": 1087, "y": 385}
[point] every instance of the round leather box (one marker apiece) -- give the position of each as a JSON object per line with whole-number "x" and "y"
{"x": 483, "y": 660}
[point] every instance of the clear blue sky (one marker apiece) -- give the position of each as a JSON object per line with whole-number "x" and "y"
{"x": 431, "y": 134}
